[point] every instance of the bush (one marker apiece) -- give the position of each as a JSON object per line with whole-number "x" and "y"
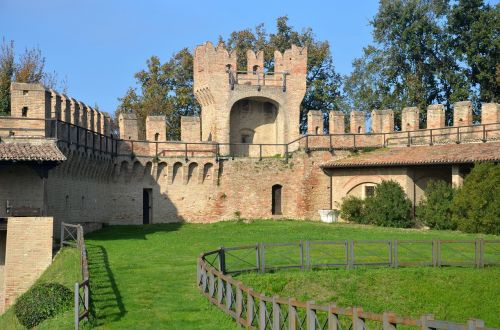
{"x": 476, "y": 206}
{"x": 389, "y": 206}
{"x": 41, "y": 302}
{"x": 435, "y": 210}
{"x": 352, "y": 209}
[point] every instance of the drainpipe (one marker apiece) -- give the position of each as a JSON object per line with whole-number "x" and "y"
{"x": 331, "y": 190}
{"x": 414, "y": 194}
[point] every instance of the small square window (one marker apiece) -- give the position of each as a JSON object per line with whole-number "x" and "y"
{"x": 25, "y": 92}
{"x": 24, "y": 112}
{"x": 369, "y": 191}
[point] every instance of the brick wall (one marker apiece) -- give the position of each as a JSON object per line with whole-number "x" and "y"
{"x": 28, "y": 254}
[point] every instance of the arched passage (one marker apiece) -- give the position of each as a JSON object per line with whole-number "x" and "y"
{"x": 254, "y": 120}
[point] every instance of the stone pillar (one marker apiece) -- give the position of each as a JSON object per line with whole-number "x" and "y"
{"x": 410, "y": 119}
{"x": 462, "y": 113}
{"x": 83, "y": 122}
{"x": 336, "y": 122}
{"x": 75, "y": 112}
{"x": 190, "y": 129}
{"x": 128, "y": 126}
{"x": 457, "y": 177}
{"x": 55, "y": 105}
{"x": 357, "y": 122}
{"x": 314, "y": 122}
{"x": 435, "y": 116}
{"x": 66, "y": 108}
{"x": 382, "y": 121}
{"x": 156, "y": 128}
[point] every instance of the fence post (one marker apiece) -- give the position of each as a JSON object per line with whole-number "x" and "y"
{"x": 358, "y": 323}
{"x": 239, "y": 301}
{"x": 222, "y": 260}
{"x": 310, "y": 316}
{"x": 211, "y": 284}
{"x": 262, "y": 313}
{"x": 186, "y": 152}
{"x": 408, "y": 143}
{"x": 424, "y": 322}
{"x": 395, "y": 254}
{"x": 390, "y": 253}
{"x": 276, "y": 314}
{"x": 229, "y": 295}
{"x": 302, "y": 263}
{"x": 77, "y": 306}
{"x": 333, "y": 318}
{"x": 351, "y": 254}
{"x": 262, "y": 257}
{"x": 292, "y": 315}
{"x": 250, "y": 307}
{"x": 481, "y": 252}
{"x": 62, "y": 235}
{"x": 86, "y": 299}
{"x": 308, "y": 255}
{"x": 220, "y": 289}
{"x": 474, "y": 324}
{"x": 484, "y": 133}
{"x": 431, "y": 142}
{"x": 260, "y": 151}
{"x": 386, "y": 319}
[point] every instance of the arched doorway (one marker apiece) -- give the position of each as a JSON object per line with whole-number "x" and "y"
{"x": 254, "y": 121}
{"x": 276, "y": 200}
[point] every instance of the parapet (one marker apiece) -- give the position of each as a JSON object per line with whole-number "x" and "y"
{"x": 190, "y": 129}
{"x": 314, "y": 122}
{"x": 382, "y": 121}
{"x": 462, "y": 113}
{"x": 435, "y": 116}
{"x": 156, "y": 128}
{"x": 410, "y": 119}
{"x": 128, "y": 126}
{"x": 357, "y": 122}
{"x": 336, "y": 122}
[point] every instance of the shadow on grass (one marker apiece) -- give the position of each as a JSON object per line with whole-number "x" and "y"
{"x": 124, "y": 232}
{"x": 105, "y": 299}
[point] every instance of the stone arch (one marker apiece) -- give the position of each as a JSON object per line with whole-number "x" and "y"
{"x": 162, "y": 172}
{"x": 124, "y": 168}
{"x": 255, "y": 120}
{"x": 177, "y": 172}
{"x": 192, "y": 173}
{"x": 147, "y": 170}
{"x": 208, "y": 170}
{"x": 358, "y": 181}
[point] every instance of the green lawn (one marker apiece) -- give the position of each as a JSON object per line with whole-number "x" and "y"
{"x": 144, "y": 277}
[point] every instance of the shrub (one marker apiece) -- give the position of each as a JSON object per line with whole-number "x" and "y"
{"x": 435, "y": 209}
{"x": 352, "y": 209}
{"x": 41, "y": 302}
{"x": 389, "y": 206}
{"x": 476, "y": 205}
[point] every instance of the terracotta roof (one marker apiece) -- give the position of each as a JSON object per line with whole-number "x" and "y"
{"x": 24, "y": 151}
{"x": 421, "y": 155}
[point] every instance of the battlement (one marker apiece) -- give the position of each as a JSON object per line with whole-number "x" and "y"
{"x": 33, "y": 104}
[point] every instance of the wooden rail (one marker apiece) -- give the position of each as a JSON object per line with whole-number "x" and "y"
{"x": 255, "y": 310}
{"x": 72, "y": 234}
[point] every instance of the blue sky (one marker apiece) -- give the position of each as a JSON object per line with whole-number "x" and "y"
{"x": 99, "y": 45}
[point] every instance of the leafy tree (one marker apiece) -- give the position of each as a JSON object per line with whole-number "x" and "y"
{"x": 389, "y": 206}
{"x": 7, "y": 70}
{"x": 435, "y": 209}
{"x": 476, "y": 206}
{"x": 165, "y": 89}
{"x": 474, "y": 27}
{"x": 410, "y": 63}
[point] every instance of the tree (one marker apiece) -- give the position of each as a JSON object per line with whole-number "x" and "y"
{"x": 165, "y": 89}
{"x": 435, "y": 209}
{"x": 476, "y": 206}
{"x": 473, "y": 26}
{"x": 7, "y": 69}
{"x": 410, "y": 63}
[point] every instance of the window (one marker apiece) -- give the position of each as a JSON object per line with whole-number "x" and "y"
{"x": 157, "y": 136}
{"x": 25, "y": 92}
{"x": 245, "y": 138}
{"x": 255, "y": 69}
{"x": 359, "y": 129}
{"x": 24, "y": 112}
{"x": 369, "y": 191}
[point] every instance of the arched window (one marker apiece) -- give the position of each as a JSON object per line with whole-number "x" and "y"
{"x": 316, "y": 130}
{"x": 255, "y": 69}
{"x": 207, "y": 171}
{"x": 276, "y": 199}
{"x": 359, "y": 129}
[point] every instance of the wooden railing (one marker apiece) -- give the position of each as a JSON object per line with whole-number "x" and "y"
{"x": 255, "y": 310}
{"x": 72, "y": 234}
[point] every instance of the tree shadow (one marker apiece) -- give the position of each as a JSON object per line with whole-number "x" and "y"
{"x": 106, "y": 303}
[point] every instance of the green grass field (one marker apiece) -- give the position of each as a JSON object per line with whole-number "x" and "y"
{"x": 144, "y": 277}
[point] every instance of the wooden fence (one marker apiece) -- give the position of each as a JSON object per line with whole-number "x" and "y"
{"x": 255, "y": 310}
{"x": 72, "y": 235}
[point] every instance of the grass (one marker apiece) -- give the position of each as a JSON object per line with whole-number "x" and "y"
{"x": 144, "y": 277}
